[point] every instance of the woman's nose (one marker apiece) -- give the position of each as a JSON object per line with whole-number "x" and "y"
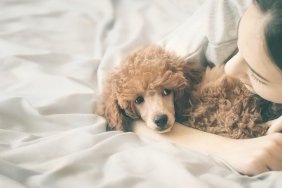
{"x": 237, "y": 67}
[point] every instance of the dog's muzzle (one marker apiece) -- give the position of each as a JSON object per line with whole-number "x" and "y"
{"x": 161, "y": 121}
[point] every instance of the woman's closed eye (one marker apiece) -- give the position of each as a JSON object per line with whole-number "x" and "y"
{"x": 254, "y": 77}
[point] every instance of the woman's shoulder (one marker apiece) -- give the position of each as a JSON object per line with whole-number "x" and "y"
{"x": 214, "y": 25}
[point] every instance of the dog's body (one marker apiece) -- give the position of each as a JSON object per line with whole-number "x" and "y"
{"x": 223, "y": 105}
{"x": 161, "y": 88}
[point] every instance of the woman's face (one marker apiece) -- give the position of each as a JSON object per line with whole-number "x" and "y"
{"x": 252, "y": 64}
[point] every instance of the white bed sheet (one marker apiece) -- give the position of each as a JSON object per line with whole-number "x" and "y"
{"x": 54, "y": 56}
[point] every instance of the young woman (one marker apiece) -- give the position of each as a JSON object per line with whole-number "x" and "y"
{"x": 258, "y": 64}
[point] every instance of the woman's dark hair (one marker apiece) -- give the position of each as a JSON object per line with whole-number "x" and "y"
{"x": 273, "y": 28}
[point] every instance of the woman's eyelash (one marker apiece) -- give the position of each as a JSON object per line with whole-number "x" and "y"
{"x": 255, "y": 78}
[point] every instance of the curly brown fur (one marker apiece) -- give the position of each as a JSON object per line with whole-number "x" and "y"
{"x": 206, "y": 100}
{"x": 223, "y": 105}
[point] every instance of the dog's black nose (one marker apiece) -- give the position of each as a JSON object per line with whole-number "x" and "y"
{"x": 161, "y": 121}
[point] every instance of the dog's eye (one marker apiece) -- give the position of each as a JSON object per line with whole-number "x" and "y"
{"x": 166, "y": 92}
{"x": 139, "y": 100}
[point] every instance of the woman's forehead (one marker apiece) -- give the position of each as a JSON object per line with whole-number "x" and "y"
{"x": 251, "y": 28}
{"x": 251, "y": 43}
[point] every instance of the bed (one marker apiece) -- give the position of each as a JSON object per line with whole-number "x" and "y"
{"x": 54, "y": 58}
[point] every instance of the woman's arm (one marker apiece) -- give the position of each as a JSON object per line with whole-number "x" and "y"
{"x": 248, "y": 156}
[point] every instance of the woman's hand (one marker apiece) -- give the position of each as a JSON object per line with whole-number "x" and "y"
{"x": 259, "y": 154}
{"x": 254, "y": 156}
{"x": 275, "y": 125}
{"x": 247, "y": 156}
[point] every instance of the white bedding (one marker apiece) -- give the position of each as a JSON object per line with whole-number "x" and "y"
{"x": 54, "y": 56}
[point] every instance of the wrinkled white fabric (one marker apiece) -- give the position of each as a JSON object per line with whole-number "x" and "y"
{"x": 54, "y": 57}
{"x": 214, "y": 26}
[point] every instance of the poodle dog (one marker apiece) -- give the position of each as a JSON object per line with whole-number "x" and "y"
{"x": 160, "y": 88}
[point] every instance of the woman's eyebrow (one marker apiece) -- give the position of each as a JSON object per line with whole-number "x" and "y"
{"x": 257, "y": 74}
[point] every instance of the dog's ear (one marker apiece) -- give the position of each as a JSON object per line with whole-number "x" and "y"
{"x": 181, "y": 103}
{"x": 114, "y": 114}
{"x": 193, "y": 73}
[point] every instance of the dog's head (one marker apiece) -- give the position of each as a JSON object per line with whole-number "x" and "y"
{"x": 153, "y": 85}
